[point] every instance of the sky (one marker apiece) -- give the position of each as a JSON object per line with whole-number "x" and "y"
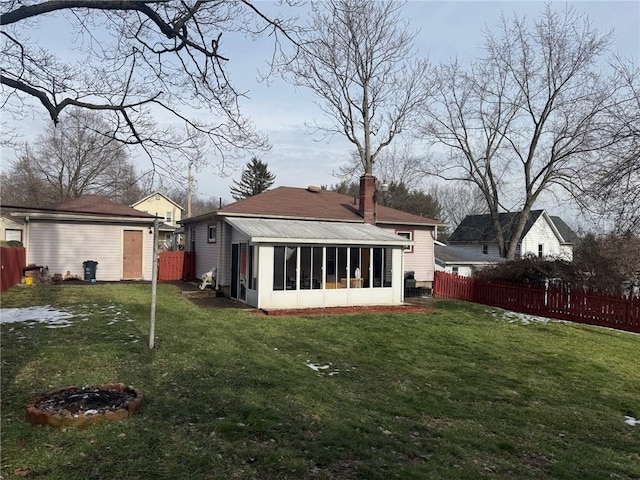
{"x": 446, "y": 30}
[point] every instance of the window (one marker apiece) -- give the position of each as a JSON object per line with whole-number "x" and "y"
{"x": 192, "y": 236}
{"x": 409, "y": 236}
{"x": 168, "y": 218}
{"x": 285, "y": 263}
{"x": 11, "y": 234}
{"x": 454, "y": 270}
{"x": 540, "y": 250}
{"x": 345, "y": 267}
{"x": 485, "y": 249}
{"x": 310, "y": 268}
{"x": 382, "y": 272}
{"x": 211, "y": 233}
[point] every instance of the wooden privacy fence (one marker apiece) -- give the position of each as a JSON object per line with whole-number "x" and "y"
{"x": 13, "y": 261}
{"x": 562, "y": 303}
{"x": 176, "y": 266}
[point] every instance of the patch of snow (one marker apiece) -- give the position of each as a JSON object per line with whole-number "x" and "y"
{"x": 316, "y": 367}
{"x": 631, "y": 421}
{"x": 53, "y": 318}
{"x": 44, "y": 314}
{"x": 322, "y": 368}
{"x": 524, "y": 318}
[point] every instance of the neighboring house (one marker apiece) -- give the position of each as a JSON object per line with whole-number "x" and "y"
{"x": 11, "y": 228}
{"x": 543, "y": 235}
{"x": 90, "y": 227}
{"x": 296, "y": 247}
{"x": 169, "y": 211}
{"x": 461, "y": 261}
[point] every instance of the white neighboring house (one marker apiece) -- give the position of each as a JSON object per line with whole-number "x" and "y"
{"x": 543, "y": 235}
{"x": 308, "y": 247}
{"x": 460, "y": 261}
{"x": 88, "y": 228}
{"x": 160, "y": 205}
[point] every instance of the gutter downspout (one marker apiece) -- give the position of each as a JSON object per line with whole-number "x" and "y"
{"x": 27, "y": 238}
{"x": 219, "y": 244}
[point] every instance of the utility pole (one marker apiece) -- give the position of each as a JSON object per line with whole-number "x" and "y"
{"x": 189, "y": 189}
{"x": 154, "y": 286}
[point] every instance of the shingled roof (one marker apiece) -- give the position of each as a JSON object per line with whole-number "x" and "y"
{"x": 98, "y": 205}
{"x": 315, "y": 204}
{"x": 479, "y": 228}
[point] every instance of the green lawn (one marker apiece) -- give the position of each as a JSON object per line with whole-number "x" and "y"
{"x": 460, "y": 393}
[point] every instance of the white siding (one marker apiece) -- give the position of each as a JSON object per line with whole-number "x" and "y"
{"x": 463, "y": 270}
{"x": 541, "y": 233}
{"x": 64, "y": 246}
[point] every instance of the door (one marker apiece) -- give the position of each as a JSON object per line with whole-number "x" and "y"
{"x": 239, "y": 271}
{"x": 132, "y": 255}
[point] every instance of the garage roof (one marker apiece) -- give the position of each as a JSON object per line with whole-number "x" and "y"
{"x": 266, "y": 230}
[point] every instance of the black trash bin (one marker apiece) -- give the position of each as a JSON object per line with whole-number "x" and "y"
{"x": 89, "y": 268}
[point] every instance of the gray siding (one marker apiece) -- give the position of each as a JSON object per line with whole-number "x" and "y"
{"x": 206, "y": 253}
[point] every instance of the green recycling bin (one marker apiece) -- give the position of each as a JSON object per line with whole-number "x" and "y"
{"x": 89, "y": 268}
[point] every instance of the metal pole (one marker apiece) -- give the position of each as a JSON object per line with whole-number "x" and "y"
{"x": 154, "y": 286}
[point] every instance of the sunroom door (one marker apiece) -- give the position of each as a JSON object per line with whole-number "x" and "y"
{"x": 239, "y": 276}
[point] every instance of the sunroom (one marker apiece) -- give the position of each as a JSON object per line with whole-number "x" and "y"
{"x": 281, "y": 264}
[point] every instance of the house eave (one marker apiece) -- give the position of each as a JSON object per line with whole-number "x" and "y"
{"x": 84, "y": 217}
{"x": 286, "y": 217}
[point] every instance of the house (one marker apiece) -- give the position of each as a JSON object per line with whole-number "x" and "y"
{"x": 88, "y": 228}
{"x": 543, "y": 235}
{"x": 11, "y": 228}
{"x": 162, "y": 206}
{"x": 460, "y": 261}
{"x": 296, "y": 247}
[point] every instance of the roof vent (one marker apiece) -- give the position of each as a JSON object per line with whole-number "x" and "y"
{"x": 313, "y": 188}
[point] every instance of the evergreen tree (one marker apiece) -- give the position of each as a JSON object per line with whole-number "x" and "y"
{"x": 256, "y": 178}
{"x": 399, "y": 197}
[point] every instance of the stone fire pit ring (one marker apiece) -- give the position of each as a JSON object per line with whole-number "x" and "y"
{"x": 82, "y": 406}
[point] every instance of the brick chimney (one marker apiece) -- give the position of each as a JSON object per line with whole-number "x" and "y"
{"x": 367, "y": 205}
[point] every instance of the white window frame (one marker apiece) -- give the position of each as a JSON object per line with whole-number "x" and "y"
{"x": 212, "y": 230}
{"x": 408, "y": 234}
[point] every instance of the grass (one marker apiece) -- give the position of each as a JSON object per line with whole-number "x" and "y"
{"x": 459, "y": 393}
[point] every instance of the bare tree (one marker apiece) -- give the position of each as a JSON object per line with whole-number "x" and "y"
{"x": 520, "y": 120}
{"x": 398, "y": 164}
{"x": 70, "y": 160}
{"x": 199, "y": 204}
{"x": 610, "y": 188}
{"x": 139, "y": 63}
{"x": 457, "y": 200}
{"x": 358, "y": 59}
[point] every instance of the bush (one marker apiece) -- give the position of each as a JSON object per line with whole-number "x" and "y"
{"x": 10, "y": 243}
{"x": 534, "y": 270}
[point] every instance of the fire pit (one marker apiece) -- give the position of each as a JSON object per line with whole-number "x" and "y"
{"x": 81, "y": 406}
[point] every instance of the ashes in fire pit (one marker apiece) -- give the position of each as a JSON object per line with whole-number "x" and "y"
{"x": 80, "y": 406}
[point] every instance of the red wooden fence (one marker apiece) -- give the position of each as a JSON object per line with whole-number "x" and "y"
{"x": 13, "y": 260}
{"x": 562, "y": 303}
{"x": 176, "y": 266}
